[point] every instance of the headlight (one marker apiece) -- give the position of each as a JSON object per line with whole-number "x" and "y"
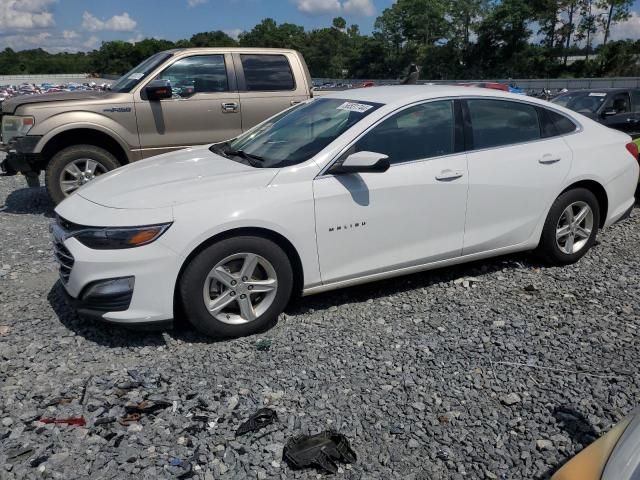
{"x": 15, "y": 126}
{"x": 121, "y": 237}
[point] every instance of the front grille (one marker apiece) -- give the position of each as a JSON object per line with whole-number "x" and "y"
{"x": 64, "y": 258}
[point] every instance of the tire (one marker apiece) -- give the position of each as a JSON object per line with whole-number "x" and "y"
{"x": 554, "y": 245}
{"x": 79, "y": 154}
{"x": 199, "y": 282}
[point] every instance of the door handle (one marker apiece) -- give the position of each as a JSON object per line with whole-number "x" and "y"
{"x": 449, "y": 174}
{"x": 548, "y": 159}
{"x": 229, "y": 107}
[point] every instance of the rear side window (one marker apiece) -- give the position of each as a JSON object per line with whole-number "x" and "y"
{"x": 416, "y": 133}
{"x": 267, "y": 73}
{"x": 495, "y": 123}
{"x": 556, "y": 124}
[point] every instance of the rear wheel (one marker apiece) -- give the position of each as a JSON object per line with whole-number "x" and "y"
{"x": 236, "y": 287}
{"x": 571, "y": 227}
{"x": 74, "y": 166}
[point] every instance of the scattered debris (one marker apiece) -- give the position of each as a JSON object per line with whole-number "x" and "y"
{"x": 76, "y": 421}
{"x": 322, "y": 450}
{"x": 530, "y": 288}
{"x": 129, "y": 419}
{"x": 147, "y": 406}
{"x": 263, "y": 344}
{"x": 104, "y": 421}
{"x": 260, "y": 419}
{"x": 4, "y": 330}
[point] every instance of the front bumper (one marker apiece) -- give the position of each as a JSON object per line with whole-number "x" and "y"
{"x": 21, "y": 156}
{"x": 154, "y": 267}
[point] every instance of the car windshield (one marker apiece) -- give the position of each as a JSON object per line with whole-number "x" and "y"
{"x": 581, "y": 102}
{"x": 130, "y": 79}
{"x": 296, "y": 135}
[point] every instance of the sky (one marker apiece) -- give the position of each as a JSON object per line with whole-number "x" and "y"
{"x": 72, "y": 25}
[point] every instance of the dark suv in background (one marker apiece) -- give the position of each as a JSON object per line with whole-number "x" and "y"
{"x": 617, "y": 108}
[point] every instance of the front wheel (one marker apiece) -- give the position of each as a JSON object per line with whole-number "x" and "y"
{"x": 571, "y": 227}
{"x": 74, "y": 166}
{"x": 236, "y": 287}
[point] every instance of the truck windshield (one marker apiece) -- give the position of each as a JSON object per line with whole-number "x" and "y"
{"x": 581, "y": 102}
{"x": 130, "y": 79}
{"x": 298, "y": 134}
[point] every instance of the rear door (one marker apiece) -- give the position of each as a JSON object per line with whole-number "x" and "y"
{"x": 268, "y": 83}
{"x": 515, "y": 170}
{"x": 205, "y": 107}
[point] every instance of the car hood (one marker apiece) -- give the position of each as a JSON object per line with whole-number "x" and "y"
{"x": 174, "y": 178}
{"x": 10, "y": 105}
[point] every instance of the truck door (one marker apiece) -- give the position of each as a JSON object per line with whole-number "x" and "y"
{"x": 205, "y": 107}
{"x": 268, "y": 83}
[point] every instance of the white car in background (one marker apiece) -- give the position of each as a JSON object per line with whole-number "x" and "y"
{"x": 349, "y": 188}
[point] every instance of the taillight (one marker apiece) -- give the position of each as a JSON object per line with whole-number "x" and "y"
{"x": 632, "y": 148}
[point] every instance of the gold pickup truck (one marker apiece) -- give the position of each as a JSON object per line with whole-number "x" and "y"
{"x": 172, "y": 100}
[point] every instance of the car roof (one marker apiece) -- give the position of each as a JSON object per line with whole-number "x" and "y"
{"x": 406, "y": 94}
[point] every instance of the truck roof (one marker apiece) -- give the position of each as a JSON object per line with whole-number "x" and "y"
{"x": 231, "y": 50}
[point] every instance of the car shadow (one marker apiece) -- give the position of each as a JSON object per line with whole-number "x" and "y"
{"x": 579, "y": 430}
{"x": 111, "y": 335}
{"x": 29, "y": 201}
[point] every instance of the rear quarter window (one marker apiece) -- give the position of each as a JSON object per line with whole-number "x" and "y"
{"x": 554, "y": 124}
{"x": 267, "y": 73}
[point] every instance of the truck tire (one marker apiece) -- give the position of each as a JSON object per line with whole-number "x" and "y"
{"x": 74, "y": 166}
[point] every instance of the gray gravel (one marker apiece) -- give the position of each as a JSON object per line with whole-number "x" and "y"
{"x": 500, "y": 369}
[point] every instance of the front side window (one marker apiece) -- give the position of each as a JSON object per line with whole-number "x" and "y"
{"x": 267, "y": 73}
{"x": 198, "y": 74}
{"x": 618, "y": 103}
{"x": 495, "y": 123}
{"x": 297, "y": 135}
{"x": 134, "y": 76}
{"x": 416, "y": 133}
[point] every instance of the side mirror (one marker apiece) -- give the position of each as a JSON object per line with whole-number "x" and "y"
{"x": 361, "y": 162}
{"x": 158, "y": 89}
{"x": 609, "y": 113}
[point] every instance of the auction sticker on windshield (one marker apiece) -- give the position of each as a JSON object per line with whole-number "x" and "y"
{"x": 597, "y": 94}
{"x": 136, "y": 76}
{"x": 355, "y": 107}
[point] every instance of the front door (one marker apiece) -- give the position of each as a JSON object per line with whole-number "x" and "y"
{"x": 617, "y": 112}
{"x": 411, "y": 214}
{"x": 204, "y": 108}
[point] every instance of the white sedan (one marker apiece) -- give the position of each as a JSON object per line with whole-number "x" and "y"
{"x": 349, "y": 188}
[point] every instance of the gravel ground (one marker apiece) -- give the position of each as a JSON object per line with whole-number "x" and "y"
{"x": 501, "y": 369}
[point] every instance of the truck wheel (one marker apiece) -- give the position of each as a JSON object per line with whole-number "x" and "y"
{"x": 74, "y": 166}
{"x": 236, "y": 287}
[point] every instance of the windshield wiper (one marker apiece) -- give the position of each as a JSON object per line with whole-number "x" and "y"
{"x": 243, "y": 154}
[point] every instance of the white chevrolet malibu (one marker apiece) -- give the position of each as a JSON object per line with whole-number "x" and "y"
{"x": 348, "y": 188}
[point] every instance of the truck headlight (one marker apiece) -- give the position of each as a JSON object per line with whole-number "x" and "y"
{"x": 121, "y": 237}
{"x": 15, "y": 126}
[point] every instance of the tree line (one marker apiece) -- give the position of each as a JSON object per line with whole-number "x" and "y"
{"x": 447, "y": 39}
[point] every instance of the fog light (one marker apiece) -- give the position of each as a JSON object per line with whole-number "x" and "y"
{"x": 109, "y": 288}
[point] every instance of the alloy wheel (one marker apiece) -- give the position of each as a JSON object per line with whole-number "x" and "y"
{"x": 240, "y": 288}
{"x": 79, "y": 172}
{"x": 574, "y": 227}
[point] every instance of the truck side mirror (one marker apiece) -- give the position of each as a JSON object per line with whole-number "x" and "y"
{"x": 158, "y": 90}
